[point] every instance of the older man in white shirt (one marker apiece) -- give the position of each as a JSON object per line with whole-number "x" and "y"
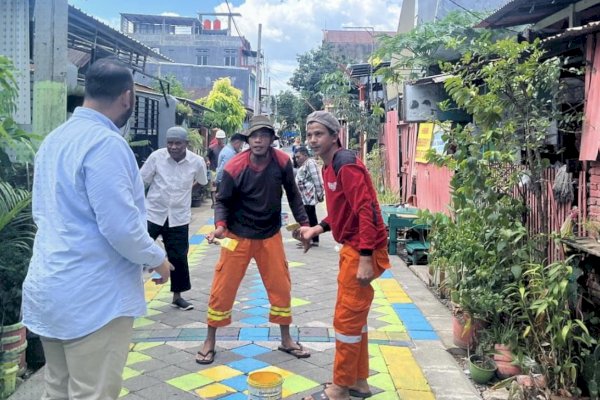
{"x": 169, "y": 174}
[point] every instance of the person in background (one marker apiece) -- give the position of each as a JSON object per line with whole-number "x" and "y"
{"x": 213, "y": 156}
{"x": 231, "y": 149}
{"x": 84, "y": 285}
{"x": 248, "y": 210}
{"x": 170, "y": 173}
{"x": 354, "y": 218}
{"x": 297, "y": 143}
{"x": 310, "y": 185}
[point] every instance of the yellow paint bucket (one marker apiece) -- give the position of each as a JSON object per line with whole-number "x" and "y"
{"x": 264, "y": 385}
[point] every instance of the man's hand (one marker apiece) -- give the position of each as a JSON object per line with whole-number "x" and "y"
{"x": 164, "y": 270}
{"x": 365, "y": 270}
{"x": 218, "y": 233}
{"x": 304, "y": 234}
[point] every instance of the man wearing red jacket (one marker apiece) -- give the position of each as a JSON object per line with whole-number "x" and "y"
{"x": 354, "y": 218}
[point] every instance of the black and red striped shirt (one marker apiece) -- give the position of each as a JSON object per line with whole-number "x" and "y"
{"x": 248, "y": 201}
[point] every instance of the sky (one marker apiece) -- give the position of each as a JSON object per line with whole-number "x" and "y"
{"x": 289, "y": 27}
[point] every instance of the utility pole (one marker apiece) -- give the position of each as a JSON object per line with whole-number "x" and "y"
{"x": 258, "y": 74}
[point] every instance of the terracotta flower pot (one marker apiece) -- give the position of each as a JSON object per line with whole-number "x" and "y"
{"x": 465, "y": 330}
{"x": 502, "y": 353}
{"x": 506, "y": 369}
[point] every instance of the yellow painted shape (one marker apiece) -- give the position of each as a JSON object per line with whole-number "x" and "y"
{"x": 130, "y": 373}
{"x": 385, "y": 396}
{"x": 124, "y": 392}
{"x": 374, "y": 350}
{"x": 396, "y": 298}
{"x": 287, "y": 393}
{"x": 391, "y": 319}
{"x": 376, "y": 335}
{"x": 378, "y": 364}
{"x": 140, "y": 322}
{"x": 398, "y": 335}
{"x": 152, "y": 311}
{"x": 292, "y": 264}
{"x": 220, "y": 373}
{"x": 387, "y": 310}
{"x": 214, "y": 390}
{"x": 296, "y": 302}
{"x": 134, "y": 357}
{"x": 415, "y": 395}
{"x": 381, "y": 301}
{"x": 284, "y": 373}
{"x": 147, "y": 345}
{"x": 389, "y": 285}
{"x": 404, "y": 370}
{"x": 392, "y": 328}
{"x": 205, "y": 230}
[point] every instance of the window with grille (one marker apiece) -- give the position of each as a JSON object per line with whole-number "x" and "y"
{"x": 230, "y": 57}
{"x": 202, "y": 57}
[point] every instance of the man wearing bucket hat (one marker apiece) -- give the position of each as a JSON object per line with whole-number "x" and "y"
{"x": 354, "y": 218}
{"x": 170, "y": 174}
{"x": 213, "y": 157}
{"x": 248, "y": 210}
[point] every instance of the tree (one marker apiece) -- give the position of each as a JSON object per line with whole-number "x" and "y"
{"x": 288, "y": 110}
{"x": 175, "y": 86}
{"x": 312, "y": 66}
{"x": 226, "y": 102}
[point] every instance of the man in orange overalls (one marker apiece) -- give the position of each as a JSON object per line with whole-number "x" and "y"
{"x": 354, "y": 218}
{"x": 248, "y": 209}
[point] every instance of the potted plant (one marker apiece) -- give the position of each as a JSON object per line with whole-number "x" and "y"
{"x": 504, "y": 337}
{"x": 481, "y": 368}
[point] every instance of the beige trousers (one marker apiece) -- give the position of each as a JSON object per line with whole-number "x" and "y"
{"x": 88, "y": 368}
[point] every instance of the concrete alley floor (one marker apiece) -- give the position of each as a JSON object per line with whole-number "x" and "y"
{"x": 409, "y": 332}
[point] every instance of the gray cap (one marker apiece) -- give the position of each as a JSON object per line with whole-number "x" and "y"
{"x": 324, "y": 118}
{"x": 177, "y": 132}
{"x": 259, "y": 122}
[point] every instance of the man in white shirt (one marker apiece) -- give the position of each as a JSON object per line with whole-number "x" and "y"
{"x": 169, "y": 174}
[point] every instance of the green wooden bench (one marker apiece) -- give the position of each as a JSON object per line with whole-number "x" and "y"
{"x": 416, "y": 250}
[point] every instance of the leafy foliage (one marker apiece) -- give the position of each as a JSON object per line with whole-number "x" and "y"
{"x": 289, "y": 107}
{"x": 414, "y": 53}
{"x": 226, "y": 102}
{"x": 16, "y": 225}
{"x": 306, "y": 79}
{"x": 175, "y": 87}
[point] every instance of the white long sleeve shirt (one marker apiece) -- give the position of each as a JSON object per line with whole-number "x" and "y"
{"x": 170, "y": 186}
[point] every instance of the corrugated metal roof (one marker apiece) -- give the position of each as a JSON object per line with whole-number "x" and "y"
{"x": 159, "y": 19}
{"x": 522, "y": 12}
{"x": 574, "y": 32}
{"x": 96, "y": 28}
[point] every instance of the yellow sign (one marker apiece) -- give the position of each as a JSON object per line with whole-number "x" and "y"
{"x": 424, "y": 139}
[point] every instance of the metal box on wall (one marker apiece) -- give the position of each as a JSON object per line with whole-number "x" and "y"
{"x": 421, "y": 99}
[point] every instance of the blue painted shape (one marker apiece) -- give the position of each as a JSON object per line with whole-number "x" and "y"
{"x": 254, "y": 333}
{"x": 238, "y": 383}
{"x": 404, "y": 306}
{"x": 387, "y": 275}
{"x": 423, "y": 335}
{"x": 417, "y": 325}
{"x": 258, "y": 294}
{"x": 258, "y": 302}
{"x": 210, "y": 221}
{"x": 196, "y": 239}
{"x": 258, "y": 287}
{"x": 250, "y": 350}
{"x": 254, "y": 321}
{"x": 235, "y": 396}
{"x": 256, "y": 311}
{"x": 247, "y": 365}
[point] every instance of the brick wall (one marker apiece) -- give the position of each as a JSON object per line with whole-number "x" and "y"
{"x": 594, "y": 191}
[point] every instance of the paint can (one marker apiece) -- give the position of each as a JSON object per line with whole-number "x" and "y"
{"x": 264, "y": 385}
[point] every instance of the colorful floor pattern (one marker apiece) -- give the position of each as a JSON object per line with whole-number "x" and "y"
{"x": 395, "y": 373}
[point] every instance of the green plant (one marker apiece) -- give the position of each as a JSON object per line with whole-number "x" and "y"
{"x": 591, "y": 373}
{"x": 555, "y": 338}
{"x": 196, "y": 141}
{"x": 376, "y": 166}
{"x": 225, "y": 101}
{"x": 16, "y": 225}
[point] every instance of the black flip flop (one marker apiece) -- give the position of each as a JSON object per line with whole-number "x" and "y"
{"x": 352, "y": 392}
{"x": 210, "y": 353}
{"x": 293, "y": 351}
